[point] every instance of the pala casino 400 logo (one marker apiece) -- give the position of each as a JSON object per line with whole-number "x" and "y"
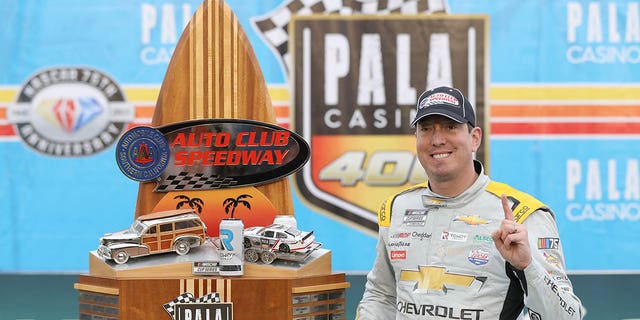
{"x": 357, "y": 80}
{"x": 357, "y": 69}
{"x": 70, "y": 112}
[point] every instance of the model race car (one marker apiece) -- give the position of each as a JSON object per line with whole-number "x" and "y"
{"x": 278, "y": 241}
{"x": 278, "y": 237}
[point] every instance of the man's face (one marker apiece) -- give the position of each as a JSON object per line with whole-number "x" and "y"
{"x": 445, "y": 147}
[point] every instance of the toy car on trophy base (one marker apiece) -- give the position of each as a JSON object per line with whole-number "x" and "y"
{"x": 158, "y": 232}
{"x": 278, "y": 241}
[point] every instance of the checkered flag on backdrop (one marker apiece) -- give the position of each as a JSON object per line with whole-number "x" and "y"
{"x": 274, "y": 27}
{"x": 187, "y": 297}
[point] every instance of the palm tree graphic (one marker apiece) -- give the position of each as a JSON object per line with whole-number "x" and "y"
{"x": 195, "y": 203}
{"x": 231, "y": 203}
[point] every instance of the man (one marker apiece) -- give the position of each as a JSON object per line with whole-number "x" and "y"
{"x": 452, "y": 248}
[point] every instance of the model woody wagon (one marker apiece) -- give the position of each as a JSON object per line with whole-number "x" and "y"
{"x": 165, "y": 231}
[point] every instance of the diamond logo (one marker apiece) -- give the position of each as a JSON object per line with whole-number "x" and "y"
{"x": 89, "y": 109}
{"x": 72, "y": 114}
{"x": 63, "y": 111}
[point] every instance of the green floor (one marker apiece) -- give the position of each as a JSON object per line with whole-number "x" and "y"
{"x": 52, "y": 297}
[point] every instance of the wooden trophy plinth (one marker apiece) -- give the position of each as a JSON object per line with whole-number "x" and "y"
{"x": 313, "y": 297}
{"x": 284, "y": 290}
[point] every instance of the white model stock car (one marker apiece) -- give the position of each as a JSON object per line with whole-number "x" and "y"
{"x": 279, "y": 238}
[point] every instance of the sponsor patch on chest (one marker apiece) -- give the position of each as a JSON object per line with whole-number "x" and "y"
{"x": 454, "y": 236}
{"x": 478, "y": 257}
{"x": 415, "y": 218}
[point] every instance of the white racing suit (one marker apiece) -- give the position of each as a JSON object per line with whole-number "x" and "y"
{"x": 436, "y": 259}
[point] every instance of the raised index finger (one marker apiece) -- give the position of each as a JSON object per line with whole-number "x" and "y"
{"x": 508, "y": 214}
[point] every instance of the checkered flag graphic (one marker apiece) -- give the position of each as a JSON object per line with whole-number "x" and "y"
{"x": 211, "y": 297}
{"x": 186, "y": 297}
{"x": 274, "y": 27}
{"x": 193, "y": 181}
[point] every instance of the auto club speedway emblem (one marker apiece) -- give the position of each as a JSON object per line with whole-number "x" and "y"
{"x": 142, "y": 153}
{"x": 70, "y": 111}
{"x": 358, "y": 73}
{"x": 210, "y": 154}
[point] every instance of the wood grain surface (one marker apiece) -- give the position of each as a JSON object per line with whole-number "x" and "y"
{"x": 214, "y": 73}
{"x": 252, "y": 298}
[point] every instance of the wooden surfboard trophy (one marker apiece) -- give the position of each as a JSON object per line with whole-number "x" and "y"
{"x": 213, "y": 74}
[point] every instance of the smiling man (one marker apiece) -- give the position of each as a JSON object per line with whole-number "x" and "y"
{"x": 480, "y": 261}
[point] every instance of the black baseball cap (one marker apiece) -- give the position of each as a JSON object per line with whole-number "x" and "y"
{"x": 446, "y": 101}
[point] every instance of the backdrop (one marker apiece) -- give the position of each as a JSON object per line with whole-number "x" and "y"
{"x": 554, "y": 81}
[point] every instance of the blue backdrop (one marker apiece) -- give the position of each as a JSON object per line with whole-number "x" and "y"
{"x": 574, "y": 63}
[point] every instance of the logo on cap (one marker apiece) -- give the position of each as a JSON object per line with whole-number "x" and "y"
{"x": 439, "y": 98}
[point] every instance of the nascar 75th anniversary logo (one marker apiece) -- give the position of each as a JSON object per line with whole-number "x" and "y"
{"x": 70, "y": 111}
{"x": 356, "y": 82}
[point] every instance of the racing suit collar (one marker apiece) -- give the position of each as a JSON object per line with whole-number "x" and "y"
{"x": 431, "y": 199}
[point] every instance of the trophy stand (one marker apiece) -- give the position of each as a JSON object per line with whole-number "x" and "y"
{"x": 213, "y": 84}
{"x": 283, "y": 290}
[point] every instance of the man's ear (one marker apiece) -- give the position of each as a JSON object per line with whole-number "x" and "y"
{"x": 476, "y": 138}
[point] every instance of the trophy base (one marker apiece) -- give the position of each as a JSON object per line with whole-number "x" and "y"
{"x": 175, "y": 266}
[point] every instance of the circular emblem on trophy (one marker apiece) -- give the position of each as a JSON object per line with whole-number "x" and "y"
{"x": 142, "y": 153}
